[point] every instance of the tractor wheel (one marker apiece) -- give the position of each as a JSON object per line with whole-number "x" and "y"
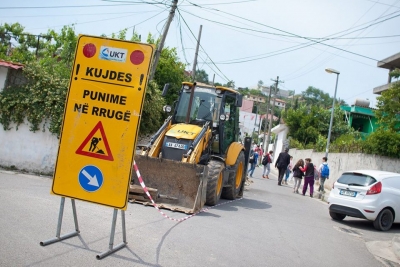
{"x": 214, "y": 182}
{"x": 236, "y": 178}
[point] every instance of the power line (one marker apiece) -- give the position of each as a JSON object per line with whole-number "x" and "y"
{"x": 154, "y": 2}
{"x": 82, "y": 6}
{"x": 303, "y": 37}
{"x": 84, "y": 14}
{"x": 288, "y": 34}
{"x": 62, "y": 25}
{"x": 227, "y": 3}
{"x": 180, "y": 34}
{"x": 325, "y": 50}
{"x": 383, "y": 4}
{"x": 202, "y": 46}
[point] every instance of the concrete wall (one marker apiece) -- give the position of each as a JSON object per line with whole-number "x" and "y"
{"x": 3, "y": 77}
{"x": 34, "y": 152}
{"x": 340, "y": 162}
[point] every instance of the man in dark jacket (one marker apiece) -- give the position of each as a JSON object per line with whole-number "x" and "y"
{"x": 282, "y": 163}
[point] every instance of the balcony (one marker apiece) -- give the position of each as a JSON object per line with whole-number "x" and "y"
{"x": 378, "y": 90}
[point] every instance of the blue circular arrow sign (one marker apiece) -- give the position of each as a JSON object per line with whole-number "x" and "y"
{"x": 90, "y": 178}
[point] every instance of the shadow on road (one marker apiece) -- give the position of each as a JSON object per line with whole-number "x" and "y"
{"x": 367, "y": 225}
{"x": 244, "y": 203}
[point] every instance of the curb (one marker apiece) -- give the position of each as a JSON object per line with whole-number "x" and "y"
{"x": 396, "y": 245}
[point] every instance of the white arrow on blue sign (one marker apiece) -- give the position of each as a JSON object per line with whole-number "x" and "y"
{"x": 90, "y": 178}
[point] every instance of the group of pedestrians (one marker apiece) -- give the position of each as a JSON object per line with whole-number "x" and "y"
{"x": 303, "y": 168}
{"x": 284, "y": 163}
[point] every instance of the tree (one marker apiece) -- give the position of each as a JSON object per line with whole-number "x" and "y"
{"x": 315, "y": 96}
{"x": 15, "y": 44}
{"x": 260, "y": 84}
{"x": 152, "y": 115}
{"x": 201, "y": 76}
{"x": 296, "y": 103}
{"x": 308, "y": 124}
{"x": 386, "y": 140}
{"x": 43, "y": 97}
{"x": 230, "y": 84}
{"x": 388, "y": 112}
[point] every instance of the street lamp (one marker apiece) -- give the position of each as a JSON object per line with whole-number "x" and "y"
{"x": 333, "y": 108}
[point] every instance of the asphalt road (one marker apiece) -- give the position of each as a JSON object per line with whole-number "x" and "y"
{"x": 271, "y": 226}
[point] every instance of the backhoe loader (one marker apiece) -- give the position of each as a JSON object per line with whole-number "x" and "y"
{"x": 195, "y": 157}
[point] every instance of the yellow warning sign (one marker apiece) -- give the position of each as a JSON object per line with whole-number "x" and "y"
{"x": 101, "y": 120}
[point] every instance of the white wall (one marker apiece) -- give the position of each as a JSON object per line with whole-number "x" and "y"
{"x": 340, "y": 162}
{"x": 34, "y": 152}
{"x": 3, "y": 77}
{"x": 281, "y": 132}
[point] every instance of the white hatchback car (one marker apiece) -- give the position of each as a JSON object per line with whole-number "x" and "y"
{"x": 367, "y": 194}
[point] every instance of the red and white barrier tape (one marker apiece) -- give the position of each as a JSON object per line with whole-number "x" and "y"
{"x": 159, "y": 210}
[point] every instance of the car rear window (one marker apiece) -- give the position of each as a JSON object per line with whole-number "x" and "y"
{"x": 356, "y": 179}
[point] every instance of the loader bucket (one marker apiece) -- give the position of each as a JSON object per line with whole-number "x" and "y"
{"x": 173, "y": 185}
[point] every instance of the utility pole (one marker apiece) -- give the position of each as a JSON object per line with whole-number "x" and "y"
{"x": 255, "y": 123}
{"x": 195, "y": 55}
{"x": 266, "y": 120}
{"x": 277, "y": 81}
{"x": 163, "y": 37}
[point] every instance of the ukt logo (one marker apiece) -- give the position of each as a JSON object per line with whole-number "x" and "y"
{"x": 113, "y": 54}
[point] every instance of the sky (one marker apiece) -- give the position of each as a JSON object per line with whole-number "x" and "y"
{"x": 246, "y": 40}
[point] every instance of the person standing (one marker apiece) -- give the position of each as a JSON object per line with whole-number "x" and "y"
{"x": 267, "y": 166}
{"x": 308, "y": 177}
{"x": 324, "y": 172}
{"x": 282, "y": 163}
{"x": 297, "y": 175}
{"x": 288, "y": 170}
{"x": 253, "y": 163}
{"x": 260, "y": 153}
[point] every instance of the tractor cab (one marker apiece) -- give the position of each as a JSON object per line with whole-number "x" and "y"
{"x": 199, "y": 104}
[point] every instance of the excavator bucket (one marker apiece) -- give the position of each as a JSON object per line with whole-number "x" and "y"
{"x": 173, "y": 185}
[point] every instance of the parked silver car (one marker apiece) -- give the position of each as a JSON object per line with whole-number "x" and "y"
{"x": 368, "y": 194}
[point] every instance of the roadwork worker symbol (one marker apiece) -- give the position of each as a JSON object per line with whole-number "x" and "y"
{"x": 96, "y": 145}
{"x": 93, "y": 145}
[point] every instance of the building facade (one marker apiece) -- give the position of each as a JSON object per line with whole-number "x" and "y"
{"x": 390, "y": 64}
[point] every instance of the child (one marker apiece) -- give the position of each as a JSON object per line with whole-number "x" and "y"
{"x": 324, "y": 172}
{"x": 289, "y": 170}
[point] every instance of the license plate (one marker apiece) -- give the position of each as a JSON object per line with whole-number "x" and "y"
{"x": 348, "y": 193}
{"x": 176, "y": 145}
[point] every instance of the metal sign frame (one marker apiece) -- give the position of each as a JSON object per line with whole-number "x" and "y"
{"x": 106, "y": 99}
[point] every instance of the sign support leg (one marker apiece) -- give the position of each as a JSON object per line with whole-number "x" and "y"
{"x": 111, "y": 248}
{"x": 58, "y": 238}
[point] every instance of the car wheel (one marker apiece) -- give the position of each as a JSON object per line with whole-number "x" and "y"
{"x": 337, "y": 216}
{"x": 384, "y": 220}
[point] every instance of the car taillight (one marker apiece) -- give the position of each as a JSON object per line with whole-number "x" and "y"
{"x": 375, "y": 189}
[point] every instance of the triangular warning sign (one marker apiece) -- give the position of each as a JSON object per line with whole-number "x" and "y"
{"x": 95, "y": 144}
